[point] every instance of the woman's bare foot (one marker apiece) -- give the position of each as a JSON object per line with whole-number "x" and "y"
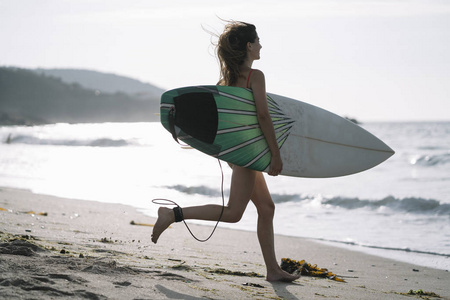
{"x": 165, "y": 218}
{"x": 280, "y": 275}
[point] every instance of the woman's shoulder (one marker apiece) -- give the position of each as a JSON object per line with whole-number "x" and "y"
{"x": 257, "y": 74}
{"x": 257, "y": 78}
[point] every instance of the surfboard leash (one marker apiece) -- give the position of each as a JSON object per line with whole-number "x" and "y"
{"x": 179, "y": 213}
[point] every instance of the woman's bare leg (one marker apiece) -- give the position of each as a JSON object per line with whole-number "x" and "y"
{"x": 266, "y": 209}
{"x": 242, "y": 185}
{"x": 245, "y": 185}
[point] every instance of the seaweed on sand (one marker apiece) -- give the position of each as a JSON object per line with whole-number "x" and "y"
{"x": 305, "y": 269}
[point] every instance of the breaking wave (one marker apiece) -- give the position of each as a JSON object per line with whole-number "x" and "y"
{"x": 199, "y": 190}
{"x": 431, "y": 160}
{"x": 414, "y": 205}
{"x": 99, "y": 142}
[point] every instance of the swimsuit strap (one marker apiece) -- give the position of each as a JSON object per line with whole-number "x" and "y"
{"x": 248, "y": 78}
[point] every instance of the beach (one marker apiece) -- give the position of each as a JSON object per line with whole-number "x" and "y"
{"x": 55, "y": 247}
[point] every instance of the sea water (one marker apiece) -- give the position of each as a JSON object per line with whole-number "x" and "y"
{"x": 399, "y": 209}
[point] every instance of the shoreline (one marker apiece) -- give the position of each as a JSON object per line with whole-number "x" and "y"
{"x": 415, "y": 257}
{"x": 406, "y": 255}
{"x": 85, "y": 248}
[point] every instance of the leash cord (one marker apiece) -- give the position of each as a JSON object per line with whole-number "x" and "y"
{"x": 161, "y": 201}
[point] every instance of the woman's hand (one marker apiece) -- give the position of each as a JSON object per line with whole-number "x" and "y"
{"x": 276, "y": 165}
{"x": 258, "y": 86}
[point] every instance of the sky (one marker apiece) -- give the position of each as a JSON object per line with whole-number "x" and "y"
{"x": 373, "y": 60}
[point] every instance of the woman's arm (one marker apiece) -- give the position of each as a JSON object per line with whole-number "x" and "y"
{"x": 258, "y": 85}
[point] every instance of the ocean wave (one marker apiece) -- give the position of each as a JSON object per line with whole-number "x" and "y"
{"x": 100, "y": 142}
{"x": 431, "y": 160}
{"x": 199, "y": 190}
{"x": 414, "y": 205}
{"x": 433, "y": 147}
{"x": 210, "y": 192}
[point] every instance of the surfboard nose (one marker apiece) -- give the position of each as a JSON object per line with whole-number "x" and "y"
{"x": 388, "y": 150}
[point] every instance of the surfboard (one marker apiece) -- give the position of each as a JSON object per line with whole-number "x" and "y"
{"x": 221, "y": 121}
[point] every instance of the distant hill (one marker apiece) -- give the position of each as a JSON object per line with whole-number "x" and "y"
{"x": 104, "y": 82}
{"x": 27, "y": 97}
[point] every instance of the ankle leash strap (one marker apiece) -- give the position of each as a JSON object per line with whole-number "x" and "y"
{"x": 178, "y": 212}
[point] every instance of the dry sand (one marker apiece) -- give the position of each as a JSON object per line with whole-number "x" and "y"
{"x": 89, "y": 250}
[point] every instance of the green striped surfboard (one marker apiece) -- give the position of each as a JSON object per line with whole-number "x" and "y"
{"x": 221, "y": 121}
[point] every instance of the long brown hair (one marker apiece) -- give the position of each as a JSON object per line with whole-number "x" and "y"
{"x": 231, "y": 50}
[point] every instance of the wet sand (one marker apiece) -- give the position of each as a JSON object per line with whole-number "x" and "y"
{"x": 53, "y": 247}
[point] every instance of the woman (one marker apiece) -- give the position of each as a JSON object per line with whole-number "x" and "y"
{"x": 237, "y": 48}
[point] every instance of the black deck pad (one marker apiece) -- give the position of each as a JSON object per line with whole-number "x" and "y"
{"x": 196, "y": 115}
